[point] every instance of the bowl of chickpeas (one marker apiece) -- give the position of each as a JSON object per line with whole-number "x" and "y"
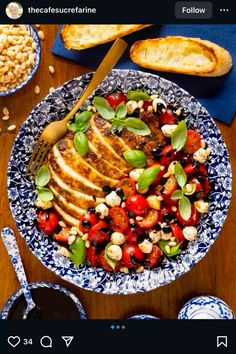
{"x": 20, "y": 52}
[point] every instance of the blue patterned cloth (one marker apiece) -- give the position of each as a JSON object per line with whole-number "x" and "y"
{"x": 218, "y": 95}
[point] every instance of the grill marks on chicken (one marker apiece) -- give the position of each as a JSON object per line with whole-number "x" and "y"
{"x": 77, "y": 182}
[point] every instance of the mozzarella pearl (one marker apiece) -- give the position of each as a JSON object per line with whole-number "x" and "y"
{"x": 146, "y": 246}
{"x": 114, "y": 252}
{"x": 102, "y": 210}
{"x": 190, "y": 233}
{"x": 112, "y": 199}
{"x": 117, "y": 238}
{"x": 201, "y": 155}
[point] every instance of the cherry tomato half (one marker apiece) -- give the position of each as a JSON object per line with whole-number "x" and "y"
{"x": 153, "y": 258}
{"x": 47, "y": 221}
{"x": 128, "y": 186}
{"x": 99, "y": 232}
{"x": 192, "y": 221}
{"x": 87, "y": 220}
{"x": 170, "y": 186}
{"x": 193, "y": 142}
{"x": 167, "y": 117}
{"x": 150, "y": 219}
{"x": 137, "y": 204}
{"x": 190, "y": 169}
{"x": 132, "y": 234}
{"x": 199, "y": 187}
{"x": 92, "y": 256}
{"x": 146, "y": 104}
{"x": 177, "y": 233}
{"x": 115, "y": 98}
{"x": 119, "y": 219}
{"x": 132, "y": 256}
{"x": 104, "y": 262}
{"x": 167, "y": 155}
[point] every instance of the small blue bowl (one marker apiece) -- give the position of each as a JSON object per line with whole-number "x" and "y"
{"x": 143, "y": 317}
{"x": 206, "y": 307}
{"x": 35, "y": 36}
{"x": 5, "y": 311}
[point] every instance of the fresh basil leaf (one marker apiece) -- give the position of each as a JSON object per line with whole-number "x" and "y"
{"x": 174, "y": 250}
{"x": 180, "y": 175}
{"x": 121, "y": 110}
{"x": 116, "y": 126}
{"x": 73, "y": 127}
{"x": 45, "y": 194}
{"x": 83, "y": 116}
{"x": 135, "y": 158}
{"x": 112, "y": 263}
{"x": 78, "y": 251}
{"x": 43, "y": 176}
{"x": 179, "y": 136}
{"x": 185, "y": 208}
{"x": 137, "y": 95}
{"x": 81, "y": 143}
{"x": 103, "y": 108}
{"x": 177, "y": 194}
{"x": 137, "y": 126}
{"x": 148, "y": 176}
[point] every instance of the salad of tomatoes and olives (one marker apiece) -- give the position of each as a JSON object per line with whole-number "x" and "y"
{"x": 153, "y": 212}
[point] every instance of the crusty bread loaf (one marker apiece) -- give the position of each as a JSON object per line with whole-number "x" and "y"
{"x": 86, "y": 36}
{"x": 191, "y": 56}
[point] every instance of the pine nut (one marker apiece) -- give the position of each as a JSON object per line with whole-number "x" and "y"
{"x": 73, "y": 232}
{"x": 64, "y": 251}
{"x": 172, "y": 243}
{"x": 5, "y": 118}
{"x": 51, "y": 69}
{"x": 167, "y": 248}
{"x": 85, "y": 237}
{"x": 71, "y": 239}
{"x": 139, "y": 218}
{"x": 11, "y": 128}
{"x": 41, "y": 35}
{"x": 203, "y": 144}
{"x": 140, "y": 104}
{"x": 51, "y": 89}
{"x": 37, "y": 89}
{"x": 37, "y": 26}
{"x": 124, "y": 270}
{"x": 87, "y": 244}
{"x": 62, "y": 224}
{"x": 139, "y": 269}
{"x": 178, "y": 112}
{"x": 150, "y": 109}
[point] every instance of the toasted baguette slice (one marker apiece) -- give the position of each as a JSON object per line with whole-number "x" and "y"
{"x": 86, "y": 36}
{"x": 191, "y": 56}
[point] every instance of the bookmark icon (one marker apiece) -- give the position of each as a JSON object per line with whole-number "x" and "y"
{"x": 68, "y": 340}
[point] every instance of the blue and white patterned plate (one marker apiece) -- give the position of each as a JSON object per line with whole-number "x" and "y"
{"x": 22, "y": 190}
{"x": 35, "y": 36}
{"x": 6, "y": 308}
{"x": 206, "y": 307}
{"x": 143, "y": 317}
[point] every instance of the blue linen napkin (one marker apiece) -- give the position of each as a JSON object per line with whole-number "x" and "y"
{"x": 218, "y": 94}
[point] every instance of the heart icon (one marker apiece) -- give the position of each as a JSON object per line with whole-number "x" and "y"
{"x": 13, "y": 341}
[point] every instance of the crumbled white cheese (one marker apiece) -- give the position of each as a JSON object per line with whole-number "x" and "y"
{"x": 155, "y": 236}
{"x": 117, "y": 238}
{"x": 201, "y": 155}
{"x": 168, "y": 129}
{"x": 201, "y": 206}
{"x": 112, "y": 199}
{"x": 102, "y": 210}
{"x": 43, "y": 204}
{"x": 146, "y": 246}
{"x": 135, "y": 174}
{"x": 114, "y": 252}
{"x": 190, "y": 233}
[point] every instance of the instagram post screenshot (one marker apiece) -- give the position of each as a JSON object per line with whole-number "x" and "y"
{"x": 117, "y": 176}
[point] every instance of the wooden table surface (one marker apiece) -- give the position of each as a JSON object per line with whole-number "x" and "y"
{"x": 215, "y": 274}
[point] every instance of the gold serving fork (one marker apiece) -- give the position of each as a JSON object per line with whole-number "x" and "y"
{"x": 56, "y": 130}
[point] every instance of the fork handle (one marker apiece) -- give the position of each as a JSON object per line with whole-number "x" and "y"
{"x": 10, "y": 243}
{"x": 111, "y": 58}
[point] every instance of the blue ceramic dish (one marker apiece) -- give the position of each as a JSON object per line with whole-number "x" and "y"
{"x": 143, "y": 317}
{"x": 35, "y": 36}
{"x": 22, "y": 193}
{"x": 15, "y": 296}
{"x": 206, "y": 307}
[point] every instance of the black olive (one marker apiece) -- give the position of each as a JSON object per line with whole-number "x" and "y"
{"x": 156, "y": 151}
{"x": 119, "y": 192}
{"x": 156, "y": 227}
{"x": 103, "y": 229}
{"x": 134, "y": 261}
{"x": 107, "y": 218}
{"x": 107, "y": 189}
{"x": 136, "y": 113}
{"x": 141, "y": 238}
{"x": 168, "y": 217}
{"x": 86, "y": 224}
{"x": 94, "y": 244}
{"x": 166, "y": 229}
{"x": 131, "y": 214}
{"x": 91, "y": 209}
{"x": 200, "y": 195}
{"x": 57, "y": 229}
